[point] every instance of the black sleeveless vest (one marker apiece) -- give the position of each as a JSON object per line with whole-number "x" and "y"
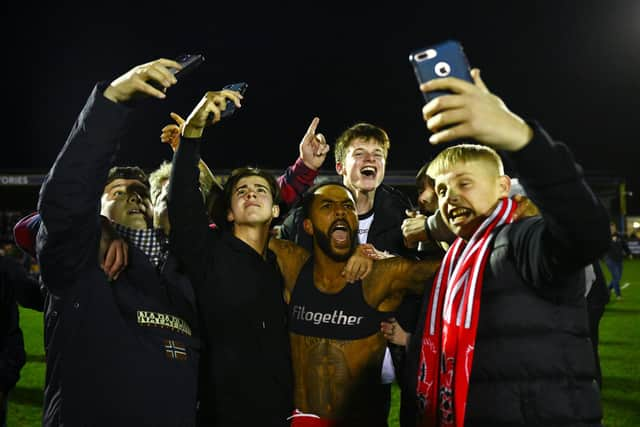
{"x": 344, "y": 315}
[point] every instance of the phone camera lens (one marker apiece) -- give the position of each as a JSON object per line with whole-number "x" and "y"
{"x": 442, "y": 69}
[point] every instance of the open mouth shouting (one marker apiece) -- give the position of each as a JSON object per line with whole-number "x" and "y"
{"x": 340, "y": 234}
{"x": 369, "y": 171}
{"x": 458, "y": 215}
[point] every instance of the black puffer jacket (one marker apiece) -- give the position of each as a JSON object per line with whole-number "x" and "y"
{"x": 533, "y": 363}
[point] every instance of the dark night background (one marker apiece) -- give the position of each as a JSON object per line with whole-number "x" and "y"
{"x": 572, "y": 65}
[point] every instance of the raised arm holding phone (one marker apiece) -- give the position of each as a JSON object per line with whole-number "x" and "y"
{"x": 503, "y": 338}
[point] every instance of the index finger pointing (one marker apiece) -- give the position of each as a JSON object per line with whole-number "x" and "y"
{"x": 179, "y": 120}
{"x": 312, "y": 127}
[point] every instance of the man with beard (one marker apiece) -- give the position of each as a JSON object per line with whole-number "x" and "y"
{"x": 336, "y": 344}
{"x": 361, "y": 153}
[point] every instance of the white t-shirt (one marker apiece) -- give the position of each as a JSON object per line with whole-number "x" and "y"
{"x": 364, "y": 224}
{"x": 388, "y": 374}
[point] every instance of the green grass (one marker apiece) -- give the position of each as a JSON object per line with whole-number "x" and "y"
{"x": 25, "y": 400}
{"x": 619, "y": 353}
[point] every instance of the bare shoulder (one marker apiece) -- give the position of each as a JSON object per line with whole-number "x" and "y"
{"x": 287, "y": 249}
{"x": 291, "y": 258}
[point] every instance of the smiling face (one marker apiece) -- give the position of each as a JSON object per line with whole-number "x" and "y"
{"x": 251, "y": 202}
{"x": 127, "y": 202}
{"x": 363, "y": 166}
{"x": 468, "y": 191}
{"x": 333, "y": 221}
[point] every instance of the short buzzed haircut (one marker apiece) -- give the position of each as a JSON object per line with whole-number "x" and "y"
{"x": 127, "y": 172}
{"x": 463, "y": 153}
{"x": 309, "y": 196}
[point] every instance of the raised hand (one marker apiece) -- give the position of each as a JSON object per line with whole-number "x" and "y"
{"x": 208, "y": 110}
{"x": 313, "y": 147}
{"x": 171, "y": 133}
{"x": 473, "y": 112}
{"x": 137, "y": 80}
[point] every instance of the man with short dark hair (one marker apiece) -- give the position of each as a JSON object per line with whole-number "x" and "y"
{"x": 245, "y": 372}
{"x": 133, "y": 339}
{"x": 360, "y": 160}
{"x": 336, "y": 343}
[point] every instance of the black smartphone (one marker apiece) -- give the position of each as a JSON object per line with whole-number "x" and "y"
{"x": 189, "y": 63}
{"x": 440, "y": 60}
{"x": 231, "y": 107}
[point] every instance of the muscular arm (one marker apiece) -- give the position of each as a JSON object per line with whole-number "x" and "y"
{"x": 411, "y": 275}
{"x": 291, "y": 258}
{"x": 398, "y": 275}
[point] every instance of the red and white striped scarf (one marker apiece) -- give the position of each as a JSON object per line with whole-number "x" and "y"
{"x": 451, "y": 324}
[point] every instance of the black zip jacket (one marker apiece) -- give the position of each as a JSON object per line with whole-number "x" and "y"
{"x": 119, "y": 353}
{"x": 533, "y": 363}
